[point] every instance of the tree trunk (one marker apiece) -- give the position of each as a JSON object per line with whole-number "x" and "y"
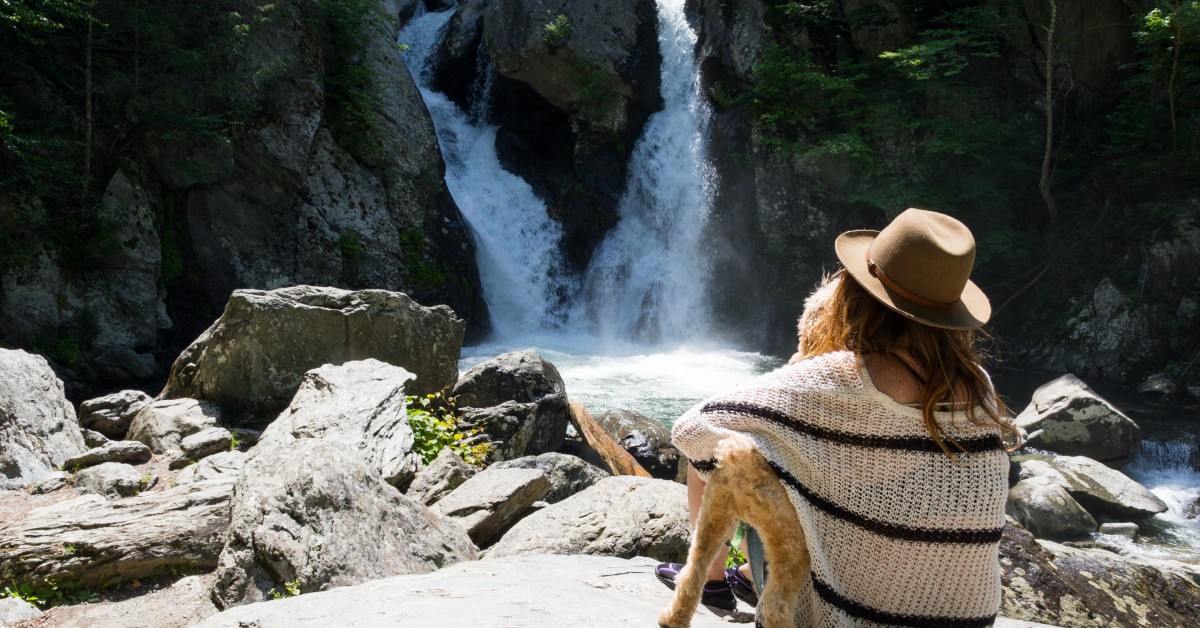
{"x": 87, "y": 94}
{"x": 1047, "y": 158}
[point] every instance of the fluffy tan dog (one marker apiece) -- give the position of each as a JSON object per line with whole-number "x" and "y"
{"x": 743, "y": 487}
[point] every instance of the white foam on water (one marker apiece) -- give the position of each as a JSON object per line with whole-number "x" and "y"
{"x": 1171, "y": 470}
{"x": 659, "y": 383}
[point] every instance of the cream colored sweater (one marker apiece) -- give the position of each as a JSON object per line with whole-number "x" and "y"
{"x": 899, "y": 534}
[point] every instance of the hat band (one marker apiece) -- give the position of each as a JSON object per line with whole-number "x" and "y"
{"x": 878, "y": 273}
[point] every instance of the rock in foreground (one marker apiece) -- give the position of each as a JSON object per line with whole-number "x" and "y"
{"x": 38, "y": 428}
{"x": 253, "y": 358}
{"x": 92, "y": 541}
{"x": 1068, "y": 587}
{"x": 1067, "y": 417}
{"x": 316, "y": 514}
{"x": 526, "y": 591}
{"x": 622, "y": 516}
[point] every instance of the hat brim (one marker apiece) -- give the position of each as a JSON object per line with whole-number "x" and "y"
{"x": 971, "y": 311}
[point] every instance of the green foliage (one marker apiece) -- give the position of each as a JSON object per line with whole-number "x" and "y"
{"x": 592, "y": 85}
{"x": 290, "y": 589}
{"x": 946, "y": 51}
{"x": 33, "y": 20}
{"x": 434, "y": 421}
{"x": 235, "y": 443}
{"x": 349, "y": 244}
{"x": 557, "y": 31}
{"x": 1154, "y": 133}
{"x": 417, "y": 271}
{"x": 352, "y": 89}
{"x": 50, "y": 593}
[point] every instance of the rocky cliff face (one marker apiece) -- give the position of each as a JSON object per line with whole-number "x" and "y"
{"x": 572, "y": 85}
{"x": 324, "y": 184}
{"x": 1114, "y": 310}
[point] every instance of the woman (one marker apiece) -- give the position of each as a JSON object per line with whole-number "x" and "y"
{"x": 887, "y": 433}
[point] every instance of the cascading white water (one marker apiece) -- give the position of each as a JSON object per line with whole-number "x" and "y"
{"x": 648, "y": 281}
{"x": 525, "y": 283}
{"x": 1171, "y": 470}
{"x": 646, "y": 285}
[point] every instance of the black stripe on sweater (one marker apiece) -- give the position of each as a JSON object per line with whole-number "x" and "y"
{"x": 963, "y": 536}
{"x": 893, "y": 530}
{"x": 862, "y": 611}
{"x": 990, "y": 442}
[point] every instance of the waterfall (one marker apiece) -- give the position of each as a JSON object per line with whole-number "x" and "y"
{"x": 1171, "y": 470}
{"x": 524, "y": 278}
{"x": 649, "y": 277}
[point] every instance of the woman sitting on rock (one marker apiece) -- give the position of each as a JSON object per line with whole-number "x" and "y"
{"x": 887, "y": 433}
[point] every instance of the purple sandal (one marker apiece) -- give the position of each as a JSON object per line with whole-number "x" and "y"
{"x": 717, "y": 593}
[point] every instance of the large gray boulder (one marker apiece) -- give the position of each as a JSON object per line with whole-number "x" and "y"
{"x": 315, "y": 514}
{"x": 568, "y": 474}
{"x": 112, "y": 479}
{"x": 1045, "y": 508}
{"x": 1103, "y": 491}
{"x": 254, "y": 357}
{"x": 359, "y": 404}
{"x": 1062, "y": 586}
{"x": 622, "y": 516}
{"x": 92, "y": 541}
{"x": 1069, "y": 418}
{"x": 647, "y": 440}
{"x": 38, "y": 428}
{"x": 205, "y": 443}
{"x": 225, "y": 463}
{"x": 444, "y": 474}
{"x": 492, "y": 500}
{"x": 163, "y": 424}
{"x": 128, "y": 451}
{"x": 520, "y": 401}
{"x": 529, "y": 591}
{"x": 110, "y": 415}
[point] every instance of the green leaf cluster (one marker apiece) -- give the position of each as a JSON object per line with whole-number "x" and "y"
{"x": 50, "y": 592}
{"x": 435, "y": 424}
{"x": 556, "y": 32}
{"x": 290, "y": 589}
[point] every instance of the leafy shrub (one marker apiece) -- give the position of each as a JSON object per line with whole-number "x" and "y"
{"x": 557, "y": 31}
{"x": 435, "y": 424}
{"x": 50, "y": 593}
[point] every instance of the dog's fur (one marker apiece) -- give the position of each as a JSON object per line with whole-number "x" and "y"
{"x": 743, "y": 487}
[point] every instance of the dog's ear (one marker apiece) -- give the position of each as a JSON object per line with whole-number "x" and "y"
{"x": 816, "y": 306}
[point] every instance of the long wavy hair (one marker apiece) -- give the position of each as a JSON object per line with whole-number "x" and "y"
{"x": 840, "y": 315}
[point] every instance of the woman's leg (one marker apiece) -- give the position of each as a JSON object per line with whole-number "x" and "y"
{"x": 695, "y": 489}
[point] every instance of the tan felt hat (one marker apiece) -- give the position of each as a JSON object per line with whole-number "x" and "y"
{"x": 920, "y": 266}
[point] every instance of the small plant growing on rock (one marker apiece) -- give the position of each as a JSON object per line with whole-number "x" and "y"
{"x": 50, "y": 593}
{"x": 557, "y": 31}
{"x": 234, "y": 442}
{"x": 291, "y": 589}
{"x": 434, "y": 422}
{"x": 68, "y": 549}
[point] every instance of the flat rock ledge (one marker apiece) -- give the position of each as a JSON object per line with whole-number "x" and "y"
{"x": 531, "y": 591}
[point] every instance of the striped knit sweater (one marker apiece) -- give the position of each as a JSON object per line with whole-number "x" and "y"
{"x": 899, "y": 533}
